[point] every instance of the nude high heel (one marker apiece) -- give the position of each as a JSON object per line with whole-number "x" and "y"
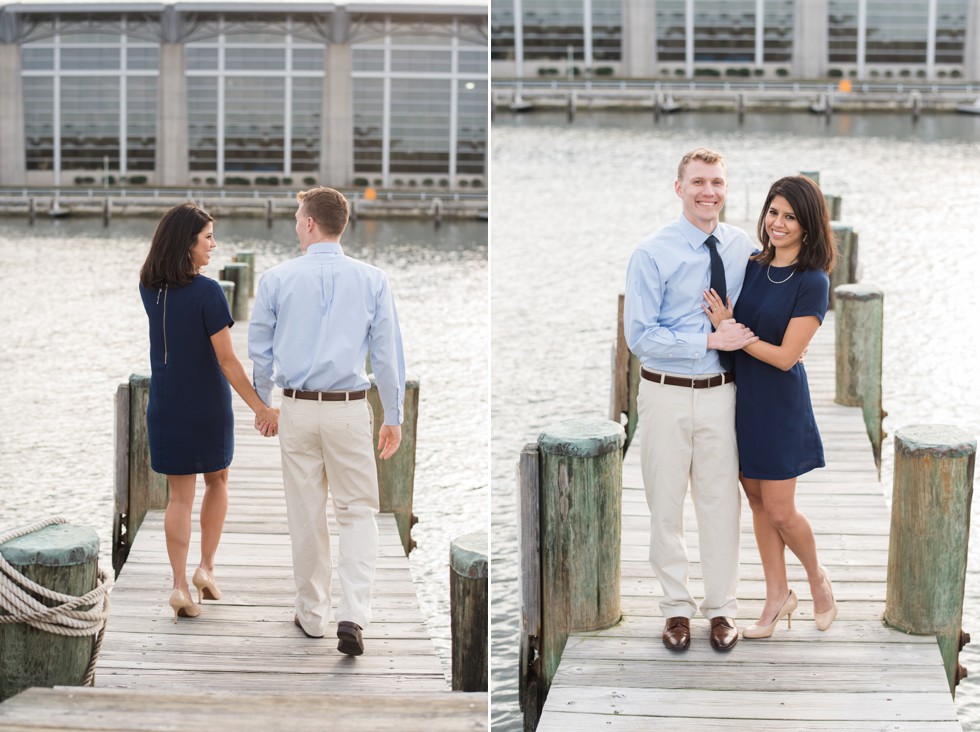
{"x": 764, "y": 631}
{"x": 824, "y": 620}
{"x": 182, "y": 604}
{"x": 206, "y": 588}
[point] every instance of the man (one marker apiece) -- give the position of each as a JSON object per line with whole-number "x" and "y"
{"x": 315, "y": 319}
{"x": 687, "y": 397}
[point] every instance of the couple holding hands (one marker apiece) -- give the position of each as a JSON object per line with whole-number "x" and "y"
{"x": 315, "y": 320}
{"x": 720, "y": 329}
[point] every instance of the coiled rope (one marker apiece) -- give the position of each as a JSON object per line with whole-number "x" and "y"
{"x": 19, "y": 603}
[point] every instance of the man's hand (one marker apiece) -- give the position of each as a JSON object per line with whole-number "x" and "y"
{"x": 389, "y": 438}
{"x": 267, "y": 422}
{"x": 731, "y": 336}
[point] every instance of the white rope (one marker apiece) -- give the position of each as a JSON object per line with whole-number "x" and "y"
{"x": 19, "y": 601}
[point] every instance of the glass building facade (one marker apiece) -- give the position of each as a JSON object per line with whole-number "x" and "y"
{"x": 420, "y": 105}
{"x": 257, "y": 95}
{"x": 90, "y": 94}
{"x": 557, "y": 30}
{"x": 733, "y": 37}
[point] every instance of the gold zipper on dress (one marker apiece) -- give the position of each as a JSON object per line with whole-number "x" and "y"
{"x": 164, "y": 291}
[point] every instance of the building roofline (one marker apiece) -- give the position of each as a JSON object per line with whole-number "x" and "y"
{"x": 244, "y": 6}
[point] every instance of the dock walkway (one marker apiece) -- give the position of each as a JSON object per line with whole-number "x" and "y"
{"x": 243, "y": 664}
{"x": 859, "y": 675}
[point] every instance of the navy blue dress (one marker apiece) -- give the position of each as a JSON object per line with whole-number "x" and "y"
{"x": 777, "y": 433}
{"x": 188, "y": 418}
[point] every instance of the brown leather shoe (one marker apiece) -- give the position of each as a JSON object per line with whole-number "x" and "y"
{"x": 677, "y": 633}
{"x": 724, "y": 635}
{"x": 350, "y": 641}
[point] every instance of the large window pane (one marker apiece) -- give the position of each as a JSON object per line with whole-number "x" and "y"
{"x": 502, "y": 30}
{"x": 141, "y": 122}
{"x": 842, "y": 25}
{"x": 551, "y": 26}
{"x": 254, "y": 124}
{"x": 471, "y": 130}
{"x": 671, "y": 30}
{"x": 724, "y": 31}
{"x": 420, "y": 125}
{"x": 39, "y": 122}
{"x": 89, "y": 122}
{"x": 307, "y": 113}
{"x": 607, "y": 30}
{"x": 897, "y": 31}
{"x": 368, "y": 124}
{"x": 421, "y": 61}
{"x": 950, "y": 31}
{"x": 255, "y": 59}
{"x": 778, "y": 43}
{"x": 202, "y": 119}
{"x": 76, "y": 59}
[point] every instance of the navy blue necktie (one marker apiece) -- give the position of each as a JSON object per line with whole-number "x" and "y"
{"x": 717, "y": 269}
{"x": 719, "y": 285}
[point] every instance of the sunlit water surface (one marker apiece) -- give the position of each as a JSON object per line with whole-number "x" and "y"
{"x": 72, "y": 328}
{"x": 570, "y": 202}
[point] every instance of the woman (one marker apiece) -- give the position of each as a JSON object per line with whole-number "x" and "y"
{"x": 189, "y": 419}
{"x": 783, "y": 300}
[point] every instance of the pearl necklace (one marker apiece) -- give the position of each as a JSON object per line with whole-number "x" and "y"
{"x": 777, "y": 282}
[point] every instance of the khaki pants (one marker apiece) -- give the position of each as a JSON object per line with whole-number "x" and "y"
{"x": 688, "y": 436}
{"x": 330, "y": 443}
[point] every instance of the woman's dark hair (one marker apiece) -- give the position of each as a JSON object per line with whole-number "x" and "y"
{"x": 810, "y": 207}
{"x": 170, "y": 261}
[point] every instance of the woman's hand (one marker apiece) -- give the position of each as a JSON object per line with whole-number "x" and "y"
{"x": 715, "y": 309}
{"x": 267, "y": 421}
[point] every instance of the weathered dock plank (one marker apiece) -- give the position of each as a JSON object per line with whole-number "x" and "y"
{"x": 858, "y": 675}
{"x": 104, "y": 710}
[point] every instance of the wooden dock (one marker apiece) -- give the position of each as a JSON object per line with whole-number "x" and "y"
{"x": 859, "y": 675}
{"x": 243, "y": 664}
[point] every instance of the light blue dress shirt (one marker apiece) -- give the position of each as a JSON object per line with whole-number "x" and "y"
{"x": 316, "y": 318}
{"x": 665, "y": 283}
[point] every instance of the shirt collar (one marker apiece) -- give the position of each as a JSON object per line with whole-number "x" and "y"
{"x": 325, "y": 247}
{"x": 695, "y": 237}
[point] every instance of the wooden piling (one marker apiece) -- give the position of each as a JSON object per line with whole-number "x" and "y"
{"x": 813, "y": 175}
{"x": 396, "y": 475}
{"x": 237, "y": 273}
{"x": 31, "y": 210}
{"x": 247, "y": 258}
{"x": 437, "y": 211}
{"x": 845, "y": 268}
{"x": 930, "y": 535}
{"x": 269, "y": 212}
{"x": 531, "y": 686}
{"x": 656, "y": 107}
{"x": 570, "y": 105}
{"x": 106, "y": 211}
{"x": 581, "y": 481}
{"x": 228, "y": 287}
{"x": 740, "y": 106}
{"x": 120, "y": 513}
{"x": 64, "y": 559}
{"x": 625, "y": 379}
{"x": 147, "y": 488}
{"x": 858, "y": 331}
{"x": 469, "y": 580}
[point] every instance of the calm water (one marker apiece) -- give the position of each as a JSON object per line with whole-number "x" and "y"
{"x": 571, "y": 202}
{"x": 72, "y": 328}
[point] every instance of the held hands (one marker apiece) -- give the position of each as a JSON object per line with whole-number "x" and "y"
{"x": 731, "y": 336}
{"x": 389, "y": 438}
{"x": 715, "y": 309}
{"x": 267, "y": 421}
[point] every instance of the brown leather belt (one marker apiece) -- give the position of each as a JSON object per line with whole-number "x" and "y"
{"x": 324, "y": 396}
{"x": 690, "y": 383}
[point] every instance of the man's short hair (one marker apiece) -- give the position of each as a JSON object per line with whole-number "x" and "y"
{"x": 705, "y": 156}
{"x": 327, "y": 207}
